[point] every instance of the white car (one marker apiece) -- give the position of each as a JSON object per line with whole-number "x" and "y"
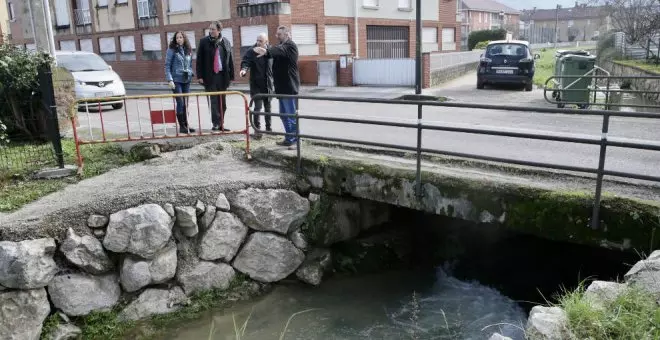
{"x": 93, "y": 76}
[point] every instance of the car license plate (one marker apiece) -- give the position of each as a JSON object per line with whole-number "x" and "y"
{"x": 504, "y": 71}
{"x": 103, "y": 94}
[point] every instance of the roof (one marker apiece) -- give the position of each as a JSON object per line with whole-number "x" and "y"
{"x": 488, "y": 6}
{"x": 571, "y": 13}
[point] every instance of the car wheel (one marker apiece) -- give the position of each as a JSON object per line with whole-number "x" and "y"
{"x": 480, "y": 85}
{"x": 117, "y": 106}
{"x": 529, "y": 87}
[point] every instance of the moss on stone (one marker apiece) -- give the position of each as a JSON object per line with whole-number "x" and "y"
{"x": 626, "y": 223}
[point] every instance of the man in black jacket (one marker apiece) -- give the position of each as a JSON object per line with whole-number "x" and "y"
{"x": 286, "y": 78}
{"x": 261, "y": 79}
{"x": 215, "y": 70}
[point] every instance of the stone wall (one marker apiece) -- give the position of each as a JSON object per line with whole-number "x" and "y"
{"x": 152, "y": 258}
{"x": 439, "y": 77}
{"x": 156, "y": 256}
{"x": 617, "y": 69}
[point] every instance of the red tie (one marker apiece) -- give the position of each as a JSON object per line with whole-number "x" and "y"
{"x": 216, "y": 59}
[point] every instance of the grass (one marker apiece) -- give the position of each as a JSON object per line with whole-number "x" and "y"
{"x": 545, "y": 66}
{"x": 646, "y": 66}
{"x": 17, "y": 187}
{"x": 632, "y": 315}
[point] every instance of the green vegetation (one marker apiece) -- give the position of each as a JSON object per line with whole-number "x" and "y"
{"x": 481, "y": 45}
{"x": 545, "y": 66}
{"x": 484, "y": 35}
{"x": 17, "y": 188}
{"x": 634, "y": 314}
{"x": 646, "y": 66}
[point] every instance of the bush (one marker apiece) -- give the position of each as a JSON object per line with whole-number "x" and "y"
{"x": 481, "y": 45}
{"x": 485, "y": 35}
{"x": 20, "y": 97}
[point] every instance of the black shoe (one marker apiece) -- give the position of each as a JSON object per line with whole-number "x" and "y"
{"x": 191, "y": 129}
{"x": 186, "y": 130}
{"x": 284, "y": 143}
{"x": 269, "y": 129}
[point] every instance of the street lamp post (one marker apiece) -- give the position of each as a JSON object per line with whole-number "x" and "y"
{"x": 557, "y": 24}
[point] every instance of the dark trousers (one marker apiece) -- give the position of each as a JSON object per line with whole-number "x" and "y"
{"x": 258, "y": 104}
{"x": 181, "y": 103}
{"x": 217, "y": 84}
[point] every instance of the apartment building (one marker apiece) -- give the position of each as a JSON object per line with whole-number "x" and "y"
{"x": 4, "y": 20}
{"x": 580, "y": 22}
{"x": 477, "y": 15}
{"x": 132, "y": 35}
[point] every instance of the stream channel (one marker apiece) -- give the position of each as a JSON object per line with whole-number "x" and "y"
{"x": 465, "y": 281}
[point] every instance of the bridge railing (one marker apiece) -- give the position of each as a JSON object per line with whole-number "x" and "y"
{"x": 603, "y": 141}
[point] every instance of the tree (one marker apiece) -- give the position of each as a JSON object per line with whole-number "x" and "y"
{"x": 638, "y": 19}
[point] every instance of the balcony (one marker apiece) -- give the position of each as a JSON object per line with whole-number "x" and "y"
{"x": 253, "y": 8}
{"x": 83, "y": 21}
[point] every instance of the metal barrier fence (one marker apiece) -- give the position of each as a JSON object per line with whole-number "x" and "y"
{"x": 603, "y": 84}
{"x": 601, "y": 140}
{"x": 149, "y": 117}
{"x": 441, "y": 61}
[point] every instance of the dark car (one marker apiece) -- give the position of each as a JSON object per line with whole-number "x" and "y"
{"x": 507, "y": 62}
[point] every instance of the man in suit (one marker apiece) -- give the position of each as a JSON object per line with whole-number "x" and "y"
{"x": 261, "y": 79}
{"x": 215, "y": 70}
{"x": 286, "y": 77}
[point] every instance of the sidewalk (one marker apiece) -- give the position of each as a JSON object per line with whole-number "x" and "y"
{"x": 352, "y": 91}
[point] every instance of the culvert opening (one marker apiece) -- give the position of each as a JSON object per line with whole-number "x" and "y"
{"x": 398, "y": 273}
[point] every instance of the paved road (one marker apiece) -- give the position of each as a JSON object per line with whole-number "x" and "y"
{"x": 460, "y": 90}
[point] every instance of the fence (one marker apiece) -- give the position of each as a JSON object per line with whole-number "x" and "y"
{"x": 598, "y": 140}
{"x": 32, "y": 126}
{"x": 441, "y": 61}
{"x": 154, "y": 117}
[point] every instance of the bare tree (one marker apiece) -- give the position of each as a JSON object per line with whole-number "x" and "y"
{"x": 638, "y": 19}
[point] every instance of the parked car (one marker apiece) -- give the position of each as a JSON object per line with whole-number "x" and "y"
{"x": 93, "y": 76}
{"x": 507, "y": 62}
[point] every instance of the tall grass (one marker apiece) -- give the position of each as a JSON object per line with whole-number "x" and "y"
{"x": 239, "y": 331}
{"x": 634, "y": 314}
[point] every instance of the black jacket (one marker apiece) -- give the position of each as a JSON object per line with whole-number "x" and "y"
{"x": 205, "y": 56}
{"x": 285, "y": 67}
{"x": 261, "y": 72}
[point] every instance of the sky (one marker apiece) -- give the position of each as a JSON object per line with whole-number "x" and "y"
{"x": 529, "y": 4}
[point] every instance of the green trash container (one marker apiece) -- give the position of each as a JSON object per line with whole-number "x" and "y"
{"x": 561, "y": 53}
{"x": 575, "y": 65}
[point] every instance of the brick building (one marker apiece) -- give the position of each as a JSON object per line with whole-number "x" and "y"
{"x": 132, "y": 35}
{"x": 479, "y": 15}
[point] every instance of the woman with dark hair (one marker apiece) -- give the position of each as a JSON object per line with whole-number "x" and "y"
{"x": 179, "y": 74}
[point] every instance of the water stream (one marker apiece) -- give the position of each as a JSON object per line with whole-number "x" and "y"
{"x": 488, "y": 286}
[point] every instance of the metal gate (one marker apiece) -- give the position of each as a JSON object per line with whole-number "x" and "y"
{"x": 384, "y": 72}
{"x": 387, "y": 42}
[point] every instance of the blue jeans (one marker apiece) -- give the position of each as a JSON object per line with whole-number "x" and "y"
{"x": 288, "y": 106}
{"x": 181, "y": 101}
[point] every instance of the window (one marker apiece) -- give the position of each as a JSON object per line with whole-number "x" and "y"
{"x": 151, "y": 47}
{"x": 127, "y": 45}
{"x": 336, "y": 34}
{"x": 107, "y": 49}
{"x": 405, "y": 4}
{"x": 62, "y": 13}
{"x": 370, "y": 3}
{"x": 249, "y": 36}
{"x": 86, "y": 45}
{"x": 68, "y": 45}
{"x": 12, "y": 15}
{"x": 336, "y": 39}
{"x": 429, "y": 35}
{"x": 304, "y": 34}
{"x": 507, "y": 49}
{"x": 448, "y": 35}
{"x": 179, "y": 6}
{"x": 191, "y": 39}
{"x": 102, "y": 3}
{"x": 121, "y": 2}
{"x": 146, "y": 9}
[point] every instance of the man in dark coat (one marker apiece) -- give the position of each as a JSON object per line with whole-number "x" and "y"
{"x": 261, "y": 79}
{"x": 286, "y": 78}
{"x": 215, "y": 70}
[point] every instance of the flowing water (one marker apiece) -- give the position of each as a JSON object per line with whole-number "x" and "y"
{"x": 394, "y": 305}
{"x": 489, "y": 286}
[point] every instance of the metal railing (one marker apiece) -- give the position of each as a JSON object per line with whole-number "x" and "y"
{"x": 441, "y": 61}
{"x": 148, "y": 111}
{"x": 420, "y": 126}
